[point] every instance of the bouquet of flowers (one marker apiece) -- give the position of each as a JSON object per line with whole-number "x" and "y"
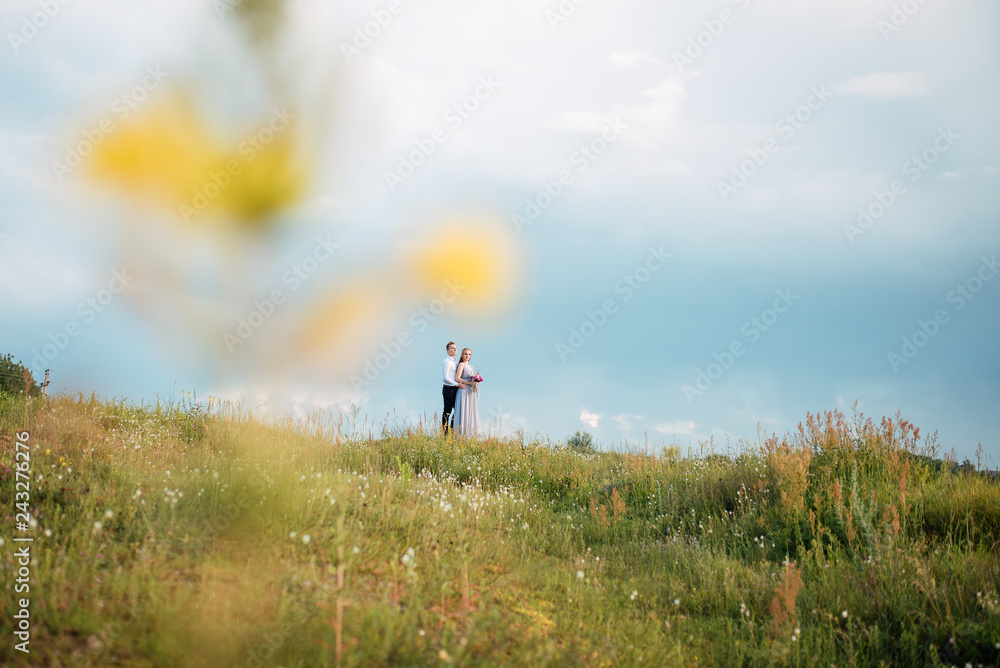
{"x": 476, "y": 380}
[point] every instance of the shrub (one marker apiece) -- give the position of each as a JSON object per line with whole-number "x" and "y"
{"x": 15, "y": 378}
{"x": 581, "y": 442}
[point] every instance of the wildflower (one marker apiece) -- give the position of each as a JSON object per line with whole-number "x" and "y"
{"x": 97, "y": 526}
{"x": 634, "y": 594}
{"x": 48, "y": 533}
{"x": 677, "y": 601}
{"x": 109, "y": 513}
{"x": 525, "y": 526}
{"x": 356, "y": 549}
{"x": 293, "y": 534}
{"x": 844, "y": 614}
{"x": 579, "y": 575}
{"x": 306, "y": 538}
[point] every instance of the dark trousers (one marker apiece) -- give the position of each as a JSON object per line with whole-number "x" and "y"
{"x": 449, "y": 393}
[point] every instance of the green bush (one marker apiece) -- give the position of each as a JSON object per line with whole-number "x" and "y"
{"x": 581, "y": 441}
{"x": 15, "y": 378}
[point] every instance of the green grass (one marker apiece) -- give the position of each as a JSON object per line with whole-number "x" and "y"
{"x": 180, "y": 535}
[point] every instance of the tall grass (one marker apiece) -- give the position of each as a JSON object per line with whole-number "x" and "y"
{"x": 192, "y": 535}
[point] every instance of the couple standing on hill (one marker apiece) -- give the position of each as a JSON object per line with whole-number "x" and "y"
{"x": 461, "y": 392}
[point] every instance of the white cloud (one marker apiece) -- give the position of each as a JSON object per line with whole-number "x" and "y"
{"x": 683, "y": 428}
{"x": 955, "y": 175}
{"x": 590, "y": 419}
{"x": 503, "y": 422}
{"x": 625, "y": 421}
{"x": 885, "y": 85}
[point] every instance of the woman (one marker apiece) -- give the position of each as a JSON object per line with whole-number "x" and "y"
{"x": 467, "y": 401}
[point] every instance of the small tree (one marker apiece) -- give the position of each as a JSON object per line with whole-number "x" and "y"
{"x": 581, "y": 442}
{"x": 16, "y": 379}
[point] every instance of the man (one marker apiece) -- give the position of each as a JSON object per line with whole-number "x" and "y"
{"x": 450, "y": 390}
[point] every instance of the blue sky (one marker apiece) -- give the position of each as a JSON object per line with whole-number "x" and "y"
{"x": 819, "y": 109}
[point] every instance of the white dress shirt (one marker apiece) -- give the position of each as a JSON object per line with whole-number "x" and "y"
{"x": 448, "y": 367}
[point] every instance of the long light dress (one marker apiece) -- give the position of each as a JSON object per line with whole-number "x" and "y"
{"x": 467, "y": 407}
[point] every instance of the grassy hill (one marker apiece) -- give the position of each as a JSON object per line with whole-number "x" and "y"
{"x": 184, "y": 536}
